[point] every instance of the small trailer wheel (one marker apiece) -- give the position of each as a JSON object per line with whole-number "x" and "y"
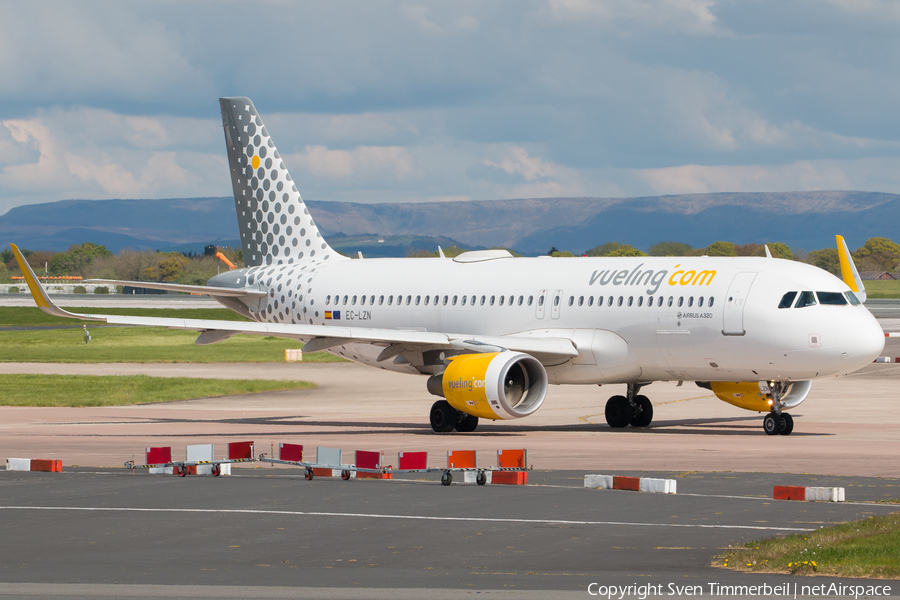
{"x": 182, "y": 471}
{"x": 345, "y": 475}
{"x": 481, "y": 478}
{"x": 447, "y": 478}
{"x": 215, "y": 470}
{"x": 309, "y": 473}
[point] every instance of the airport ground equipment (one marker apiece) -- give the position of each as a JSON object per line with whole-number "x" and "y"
{"x": 34, "y": 464}
{"x": 634, "y": 484}
{"x": 511, "y": 469}
{"x": 159, "y": 459}
{"x": 808, "y": 494}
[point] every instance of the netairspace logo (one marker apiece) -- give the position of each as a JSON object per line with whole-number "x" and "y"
{"x": 715, "y": 589}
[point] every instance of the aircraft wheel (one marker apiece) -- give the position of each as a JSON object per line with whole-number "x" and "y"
{"x": 771, "y": 424}
{"x": 446, "y": 478}
{"x": 787, "y": 424}
{"x": 443, "y": 416}
{"x": 481, "y": 478}
{"x": 618, "y": 412}
{"x": 468, "y": 424}
{"x": 642, "y": 418}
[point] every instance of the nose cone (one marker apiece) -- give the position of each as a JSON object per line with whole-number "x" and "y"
{"x": 861, "y": 340}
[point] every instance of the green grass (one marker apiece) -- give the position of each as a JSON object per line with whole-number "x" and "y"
{"x": 89, "y": 390}
{"x": 142, "y": 344}
{"x": 866, "y": 548}
{"x": 29, "y": 316}
{"x": 882, "y": 289}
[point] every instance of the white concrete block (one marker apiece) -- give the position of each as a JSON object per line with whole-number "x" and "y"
{"x": 225, "y": 469}
{"x": 469, "y": 476}
{"x": 18, "y": 464}
{"x": 162, "y": 470}
{"x": 599, "y": 482}
{"x": 657, "y": 486}
{"x": 824, "y": 494}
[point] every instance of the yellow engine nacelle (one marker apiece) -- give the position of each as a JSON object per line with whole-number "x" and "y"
{"x": 495, "y": 385}
{"x": 747, "y": 395}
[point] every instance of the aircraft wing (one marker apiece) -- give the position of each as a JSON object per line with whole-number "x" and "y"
{"x": 317, "y": 337}
{"x": 188, "y": 289}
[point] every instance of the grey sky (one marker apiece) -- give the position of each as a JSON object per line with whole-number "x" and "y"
{"x": 399, "y": 101}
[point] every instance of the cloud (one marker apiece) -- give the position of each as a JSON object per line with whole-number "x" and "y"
{"x": 691, "y": 16}
{"x": 418, "y": 15}
{"x": 360, "y": 162}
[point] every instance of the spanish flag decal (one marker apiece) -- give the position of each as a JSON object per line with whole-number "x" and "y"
{"x": 327, "y": 314}
{"x": 332, "y": 315}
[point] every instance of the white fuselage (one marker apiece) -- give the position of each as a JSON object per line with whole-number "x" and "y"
{"x": 632, "y": 319}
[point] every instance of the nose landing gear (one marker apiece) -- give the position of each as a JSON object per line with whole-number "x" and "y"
{"x": 777, "y": 422}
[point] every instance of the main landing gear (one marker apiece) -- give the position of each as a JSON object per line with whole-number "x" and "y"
{"x": 445, "y": 418}
{"x": 634, "y": 410}
{"x": 777, "y": 422}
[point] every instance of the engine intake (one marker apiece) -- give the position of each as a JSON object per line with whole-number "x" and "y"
{"x": 495, "y": 385}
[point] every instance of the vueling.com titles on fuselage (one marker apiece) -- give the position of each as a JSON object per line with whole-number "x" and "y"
{"x": 652, "y": 278}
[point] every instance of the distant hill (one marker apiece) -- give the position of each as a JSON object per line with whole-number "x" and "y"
{"x": 805, "y": 220}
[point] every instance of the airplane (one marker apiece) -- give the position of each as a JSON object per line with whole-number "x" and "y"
{"x": 490, "y": 331}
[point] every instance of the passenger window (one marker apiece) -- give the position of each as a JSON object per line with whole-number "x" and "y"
{"x": 353, "y": 301}
{"x": 327, "y": 300}
{"x": 700, "y": 302}
{"x": 408, "y": 300}
{"x": 806, "y": 299}
{"x": 502, "y": 298}
{"x": 691, "y": 301}
{"x": 650, "y": 301}
{"x": 580, "y": 300}
{"x": 345, "y": 300}
{"x": 832, "y": 298}
{"x": 371, "y": 299}
{"x": 472, "y": 301}
{"x": 511, "y": 299}
{"x": 640, "y": 300}
{"x": 454, "y": 300}
{"x": 445, "y": 300}
{"x": 390, "y": 300}
{"x": 630, "y": 300}
{"x": 619, "y": 303}
{"x": 610, "y": 302}
{"x": 660, "y": 301}
{"x": 711, "y": 300}
{"x": 492, "y": 300}
{"x": 852, "y": 298}
{"x": 590, "y": 300}
{"x": 571, "y": 300}
{"x": 680, "y": 301}
{"x": 464, "y": 298}
{"x": 362, "y": 300}
{"x": 418, "y": 299}
{"x": 541, "y": 301}
{"x": 530, "y": 300}
{"x": 482, "y": 300}
{"x": 556, "y": 301}
{"x": 380, "y": 300}
{"x": 787, "y": 300}
{"x": 427, "y": 298}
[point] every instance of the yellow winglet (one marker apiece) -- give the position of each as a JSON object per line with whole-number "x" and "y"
{"x": 848, "y": 269}
{"x": 39, "y": 293}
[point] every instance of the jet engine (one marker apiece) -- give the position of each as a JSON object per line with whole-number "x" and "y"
{"x": 495, "y": 385}
{"x": 747, "y": 395}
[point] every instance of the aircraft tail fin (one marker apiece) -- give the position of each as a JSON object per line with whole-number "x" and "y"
{"x": 275, "y": 225}
{"x": 848, "y": 270}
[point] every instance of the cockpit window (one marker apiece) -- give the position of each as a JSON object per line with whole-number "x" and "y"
{"x": 832, "y": 298}
{"x": 852, "y": 298}
{"x": 806, "y": 299}
{"x": 787, "y": 300}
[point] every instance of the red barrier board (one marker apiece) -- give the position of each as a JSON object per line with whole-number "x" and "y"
{"x": 291, "y": 452}
{"x": 511, "y": 459}
{"x": 158, "y": 456}
{"x": 627, "y": 483}
{"x": 789, "y": 492}
{"x": 461, "y": 459}
{"x": 368, "y": 460}
{"x": 412, "y": 460}
{"x": 240, "y": 450}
